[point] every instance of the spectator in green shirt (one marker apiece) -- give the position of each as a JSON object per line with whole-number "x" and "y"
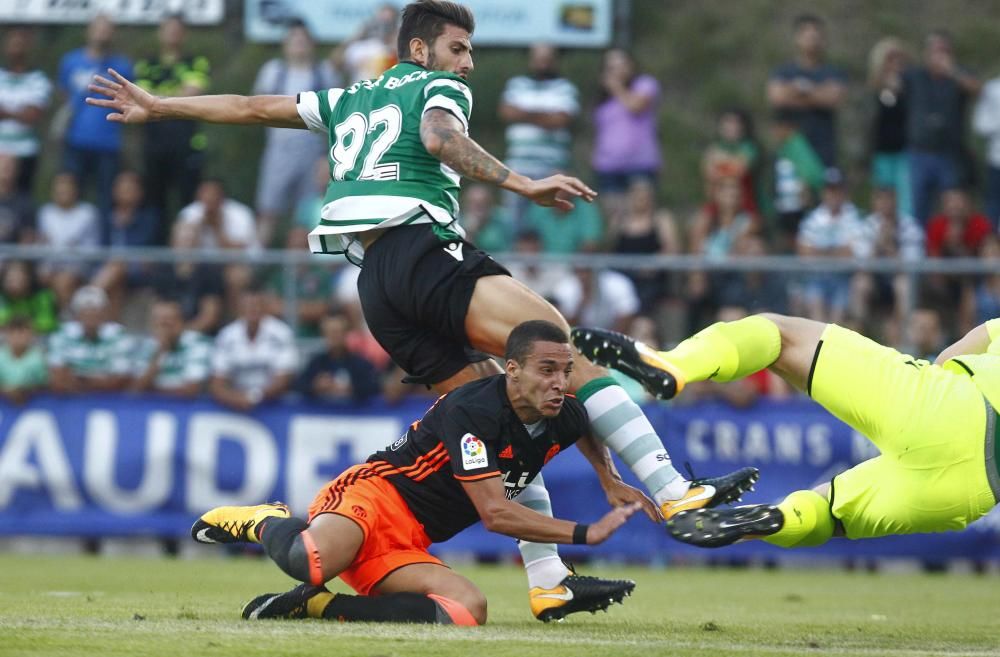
{"x": 579, "y": 229}
{"x": 798, "y": 178}
{"x": 90, "y": 354}
{"x": 22, "y": 365}
{"x": 22, "y": 295}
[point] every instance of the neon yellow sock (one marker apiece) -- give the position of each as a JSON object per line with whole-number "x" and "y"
{"x": 726, "y": 351}
{"x": 808, "y": 521}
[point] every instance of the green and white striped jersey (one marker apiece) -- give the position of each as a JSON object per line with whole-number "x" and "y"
{"x": 108, "y": 354}
{"x": 381, "y": 174}
{"x": 188, "y": 362}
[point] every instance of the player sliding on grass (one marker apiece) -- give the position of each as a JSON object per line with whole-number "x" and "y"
{"x": 473, "y": 452}
{"x": 436, "y": 303}
{"x": 935, "y": 425}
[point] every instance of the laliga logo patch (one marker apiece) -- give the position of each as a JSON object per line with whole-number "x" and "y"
{"x": 473, "y": 453}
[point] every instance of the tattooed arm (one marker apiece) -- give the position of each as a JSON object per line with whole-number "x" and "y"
{"x": 444, "y": 138}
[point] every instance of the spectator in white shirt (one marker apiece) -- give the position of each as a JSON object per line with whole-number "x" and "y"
{"x": 255, "y": 357}
{"x": 885, "y": 233}
{"x": 223, "y": 223}
{"x": 67, "y": 224}
{"x": 832, "y": 229}
{"x": 603, "y": 298}
{"x": 986, "y": 122}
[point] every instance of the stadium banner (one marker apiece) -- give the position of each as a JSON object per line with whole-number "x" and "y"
{"x": 133, "y": 466}
{"x": 573, "y": 23}
{"x": 133, "y": 12}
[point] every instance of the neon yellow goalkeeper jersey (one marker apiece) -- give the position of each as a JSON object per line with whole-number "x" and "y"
{"x": 984, "y": 368}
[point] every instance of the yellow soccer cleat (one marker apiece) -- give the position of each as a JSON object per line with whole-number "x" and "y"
{"x": 235, "y": 524}
{"x": 712, "y": 491}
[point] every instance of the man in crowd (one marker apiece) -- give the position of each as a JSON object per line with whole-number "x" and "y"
{"x": 24, "y": 97}
{"x": 538, "y": 109}
{"x": 937, "y": 96}
{"x": 255, "y": 357}
{"x": 173, "y": 360}
{"x": 91, "y": 145}
{"x": 173, "y": 150}
{"x": 286, "y": 165}
{"x": 809, "y": 89}
{"x": 336, "y": 373}
{"x": 90, "y": 354}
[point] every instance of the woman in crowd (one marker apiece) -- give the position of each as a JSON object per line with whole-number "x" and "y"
{"x": 626, "y": 143}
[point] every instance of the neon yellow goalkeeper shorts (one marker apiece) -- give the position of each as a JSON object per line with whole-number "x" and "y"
{"x": 931, "y": 427}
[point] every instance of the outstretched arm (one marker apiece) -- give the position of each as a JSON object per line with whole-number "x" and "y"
{"x": 132, "y": 104}
{"x": 503, "y": 516}
{"x": 444, "y": 137}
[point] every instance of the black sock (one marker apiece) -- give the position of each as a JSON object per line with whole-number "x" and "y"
{"x": 391, "y": 608}
{"x": 282, "y": 540}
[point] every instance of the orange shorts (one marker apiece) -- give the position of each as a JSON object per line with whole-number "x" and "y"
{"x": 393, "y": 537}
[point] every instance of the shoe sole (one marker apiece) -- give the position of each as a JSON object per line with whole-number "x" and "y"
{"x": 593, "y": 606}
{"x": 640, "y": 362}
{"x": 710, "y": 528}
{"x": 745, "y": 481}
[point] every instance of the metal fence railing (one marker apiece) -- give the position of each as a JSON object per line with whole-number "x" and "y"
{"x": 288, "y": 260}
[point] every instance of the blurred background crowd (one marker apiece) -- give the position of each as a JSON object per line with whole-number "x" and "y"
{"x": 774, "y": 178}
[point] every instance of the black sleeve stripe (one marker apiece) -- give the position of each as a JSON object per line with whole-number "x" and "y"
{"x": 964, "y": 366}
{"x": 812, "y": 369}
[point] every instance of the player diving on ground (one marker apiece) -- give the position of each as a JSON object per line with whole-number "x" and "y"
{"x": 464, "y": 462}
{"x": 934, "y": 424}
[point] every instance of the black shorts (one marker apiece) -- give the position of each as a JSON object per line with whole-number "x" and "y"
{"x": 415, "y": 286}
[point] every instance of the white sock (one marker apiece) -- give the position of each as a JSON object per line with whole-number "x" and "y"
{"x": 541, "y": 560}
{"x": 546, "y": 573}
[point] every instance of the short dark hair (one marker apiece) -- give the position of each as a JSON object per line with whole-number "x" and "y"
{"x": 803, "y": 20}
{"x": 526, "y": 334}
{"x": 426, "y": 20}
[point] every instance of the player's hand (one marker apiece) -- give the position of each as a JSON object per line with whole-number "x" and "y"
{"x": 557, "y": 191}
{"x": 131, "y": 103}
{"x": 621, "y": 494}
{"x": 609, "y": 524}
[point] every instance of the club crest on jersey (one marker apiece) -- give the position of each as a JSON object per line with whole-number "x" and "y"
{"x": 473, "y": 453}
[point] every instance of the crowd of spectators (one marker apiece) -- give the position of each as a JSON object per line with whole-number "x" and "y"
{"x": 70, "y": 326}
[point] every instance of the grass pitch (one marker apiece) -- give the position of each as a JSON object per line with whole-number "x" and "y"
{"x": 92, "y": 606}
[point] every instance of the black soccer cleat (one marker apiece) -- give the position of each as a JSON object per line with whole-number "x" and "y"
{"x": 712, "y": 528}
{"x": 631, "y": 357}
{"x": 578, "y": 593}
{"x": 290, "y": 604}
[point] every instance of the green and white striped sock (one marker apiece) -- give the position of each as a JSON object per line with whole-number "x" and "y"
{"x": 619, "y": 423}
